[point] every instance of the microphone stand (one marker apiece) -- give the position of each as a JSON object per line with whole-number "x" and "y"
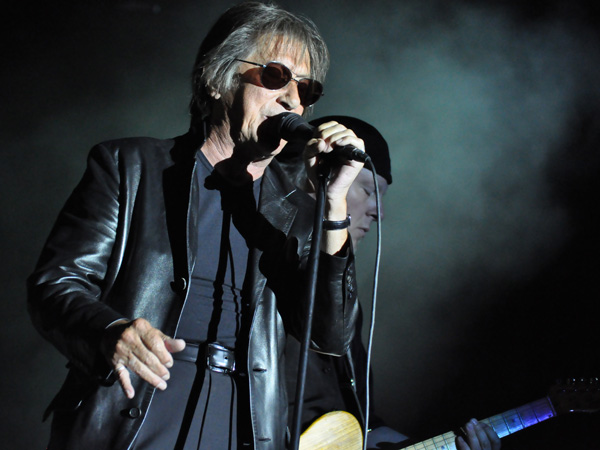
{"x": 323, "y": 172}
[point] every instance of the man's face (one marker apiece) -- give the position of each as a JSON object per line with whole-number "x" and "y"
{"x": 251, "y": 104}
{"x": 361, "y": 204}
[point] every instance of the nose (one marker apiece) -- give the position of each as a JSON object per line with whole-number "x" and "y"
{"x": 372, "y": 211}
{"x": 290, "y": 97}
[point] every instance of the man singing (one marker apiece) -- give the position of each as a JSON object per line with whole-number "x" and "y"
{"x": 177, "y": 266}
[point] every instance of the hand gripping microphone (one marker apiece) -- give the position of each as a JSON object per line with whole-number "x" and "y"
{"x": 293, "y": 127}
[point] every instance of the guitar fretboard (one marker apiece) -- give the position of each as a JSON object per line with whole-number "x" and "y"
{"x": 503, "y": 424}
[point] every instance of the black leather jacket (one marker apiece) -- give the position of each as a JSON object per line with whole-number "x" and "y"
{"x": 124, "y": 247}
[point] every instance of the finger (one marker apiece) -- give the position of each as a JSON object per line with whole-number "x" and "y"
{"x": 471, "y": 435}
{"x": 132, "y": 349}
{"x": 153, "y": 351}
{"x": 145, "y": 373}
{"x": 333, "y": 131}
{"x": 461, "y": 444}
{"x": 326, "y": 125}
{"x": 125, "y": 381}
{"x": 329, "y": 134}
{"x": 492, "y": 436}
{"x": 341, "y": 138}
{"x": 349, "y": 139}
{"x": 327, "y": 130}
{"x": 479, "y": 436}
{"x": 482, "y": 436}
{"x": 314, "y": 147}
{"x": 174, "y": 345}
{"x": 320, "y": 146}
{"x": 150, "y": 360}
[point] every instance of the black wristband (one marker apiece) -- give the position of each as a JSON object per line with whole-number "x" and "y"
{"x": 336, "y": 224}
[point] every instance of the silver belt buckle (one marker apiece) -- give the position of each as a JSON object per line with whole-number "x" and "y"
{"x": 220, "y": 359}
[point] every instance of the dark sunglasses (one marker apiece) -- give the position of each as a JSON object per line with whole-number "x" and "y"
{"x": 275, "y": 76}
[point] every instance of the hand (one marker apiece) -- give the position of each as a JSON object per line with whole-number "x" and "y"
{"x": 479, "y": 436}
{"x": 141, "y": 348}
{"x": 330, "y": 135}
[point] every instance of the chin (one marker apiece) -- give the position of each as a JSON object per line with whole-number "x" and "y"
{"x": 357, "y": 233}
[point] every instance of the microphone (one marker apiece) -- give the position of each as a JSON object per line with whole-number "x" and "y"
{"x": 292, "y": 127}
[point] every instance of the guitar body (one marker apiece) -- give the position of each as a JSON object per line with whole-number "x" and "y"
{"x": 337, "y": 430}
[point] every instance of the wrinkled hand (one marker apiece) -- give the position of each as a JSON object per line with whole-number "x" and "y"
{"x": 141, "y": 348}
{"x": 479, "y": 436}
{"x": 330, "y": 135}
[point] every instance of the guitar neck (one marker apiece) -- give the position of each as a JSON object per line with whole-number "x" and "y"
{"x": 503, "y": 424}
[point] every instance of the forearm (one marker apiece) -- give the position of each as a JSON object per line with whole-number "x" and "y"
{"x": 336, "y": 305}
{"x": 65, "y": 292}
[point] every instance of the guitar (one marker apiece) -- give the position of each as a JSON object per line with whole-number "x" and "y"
{"x": 339, "y": 430}
{"x": 336, "y": 430}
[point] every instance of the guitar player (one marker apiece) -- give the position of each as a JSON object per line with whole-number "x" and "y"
{"x": 328, "y": 386}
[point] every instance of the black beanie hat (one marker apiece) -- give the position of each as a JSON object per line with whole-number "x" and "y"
{"x": 375, "y": 145}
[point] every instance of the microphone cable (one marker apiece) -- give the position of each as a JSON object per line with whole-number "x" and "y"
{"x": 373, "y": 302}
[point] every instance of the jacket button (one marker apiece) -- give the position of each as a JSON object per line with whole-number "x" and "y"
{"x": 179, "y": 285}
{"x": 134, "y": 413}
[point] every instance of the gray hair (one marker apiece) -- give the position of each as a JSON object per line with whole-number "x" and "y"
{"x": 241, "y": 31}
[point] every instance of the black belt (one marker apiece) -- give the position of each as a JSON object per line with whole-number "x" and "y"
{"x": 218, "y": 358}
